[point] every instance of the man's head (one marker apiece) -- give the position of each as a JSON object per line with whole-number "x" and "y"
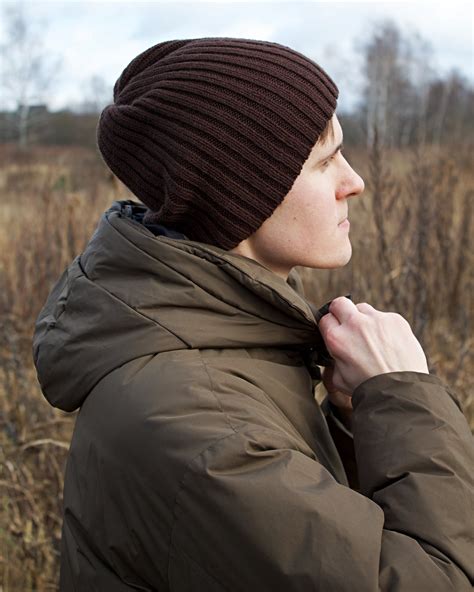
{"x": 310, "y": 226}
{"x": 211, "y": 133}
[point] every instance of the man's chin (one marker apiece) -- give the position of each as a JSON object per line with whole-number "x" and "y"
{"x": 335, "y": 263}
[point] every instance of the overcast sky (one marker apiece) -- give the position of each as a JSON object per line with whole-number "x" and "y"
{"x": 100, "y": 38}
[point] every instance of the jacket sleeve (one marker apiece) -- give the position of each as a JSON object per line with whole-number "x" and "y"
{"x": 254, "y": 513}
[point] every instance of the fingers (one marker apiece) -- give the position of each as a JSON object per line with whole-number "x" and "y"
{"x": 341, "y": 400}
{"x": 326, "y": 323}
{"x": 365, "y": 308}
{"x": 342, "y": 308}
{"x": 339, "y": 310}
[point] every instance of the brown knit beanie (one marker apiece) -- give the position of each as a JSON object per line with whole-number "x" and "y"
{"x": 211, "y": 133}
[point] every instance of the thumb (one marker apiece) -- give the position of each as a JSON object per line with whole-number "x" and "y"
{"x": 327, "y": 377}
{"x": 338, "y": 383}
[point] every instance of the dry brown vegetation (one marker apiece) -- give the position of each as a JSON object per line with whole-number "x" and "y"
{"x": 411, "y": 254}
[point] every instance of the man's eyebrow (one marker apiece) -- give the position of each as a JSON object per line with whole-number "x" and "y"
{"x": 336, "y": 149}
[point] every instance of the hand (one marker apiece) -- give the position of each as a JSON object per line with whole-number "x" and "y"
{"x": 365, "y": 342}
{"x": 339, "y": 399}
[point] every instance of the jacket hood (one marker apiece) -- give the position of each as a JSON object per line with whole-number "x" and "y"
{"x": 132, "y": 293}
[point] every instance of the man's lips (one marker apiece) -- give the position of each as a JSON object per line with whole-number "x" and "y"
{"x": 344, "y": 224}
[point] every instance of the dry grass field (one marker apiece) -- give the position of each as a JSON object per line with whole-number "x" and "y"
{"x": 411, "y": 254}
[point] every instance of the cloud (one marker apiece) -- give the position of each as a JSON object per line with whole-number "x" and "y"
{"x": 101, "y": 38}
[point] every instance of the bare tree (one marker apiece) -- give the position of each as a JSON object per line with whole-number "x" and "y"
{"x": 27, "y": 70}
{"x": 450, "y": 111}
{"x": 397, "y": 75}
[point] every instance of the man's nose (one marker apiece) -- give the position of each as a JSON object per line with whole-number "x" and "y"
{"x": 359, "y": 184}
{"x": 352, "y": 185}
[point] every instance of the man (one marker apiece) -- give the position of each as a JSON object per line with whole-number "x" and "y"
{"x": 200, "y": 458}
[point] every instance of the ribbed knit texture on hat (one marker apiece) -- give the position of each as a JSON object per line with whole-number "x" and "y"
{"x": 211, "y": 133}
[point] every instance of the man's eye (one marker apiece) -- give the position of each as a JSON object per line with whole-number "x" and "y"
{"x": 326, "y": 162}
{"x": 330, "y": 159}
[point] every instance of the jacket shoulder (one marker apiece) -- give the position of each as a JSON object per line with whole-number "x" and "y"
{"x": 180, "y": 397}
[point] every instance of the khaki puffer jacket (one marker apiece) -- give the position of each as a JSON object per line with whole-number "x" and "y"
{"x": 201, "y": 460}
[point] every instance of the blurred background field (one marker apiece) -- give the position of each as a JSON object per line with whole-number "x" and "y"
{"x": 409, "y": 136}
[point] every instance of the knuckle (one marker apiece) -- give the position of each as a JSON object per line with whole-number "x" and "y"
{"x": 354, "y": 321}
{"x": 337, "y": 301}
{"x": 399, "y": 318}
{"x": 365, "y": 307}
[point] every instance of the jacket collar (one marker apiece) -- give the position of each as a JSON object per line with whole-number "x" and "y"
{"x": 132, "y": 294}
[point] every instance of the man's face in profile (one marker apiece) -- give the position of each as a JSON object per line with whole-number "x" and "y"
{"x": 310, "y": 226}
